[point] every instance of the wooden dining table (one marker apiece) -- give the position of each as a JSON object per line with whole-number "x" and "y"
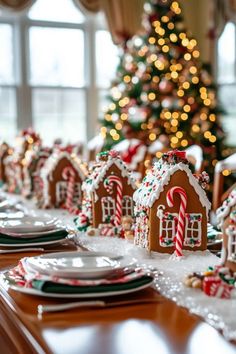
{"x": 153, "y": 327}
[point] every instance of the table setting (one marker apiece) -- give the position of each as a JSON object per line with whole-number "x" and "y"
{"x": 77, "y": 275}
{"x": 107, "y": 273}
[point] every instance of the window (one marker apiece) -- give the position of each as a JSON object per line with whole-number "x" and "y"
{"x": 168, "y": 227}
{"x": 226, "y": 75}
{"x": 54, "y": 72}
{"x": 77, "y": 194}
{"x": 7, "y": 83}
{"x": 108, "y": 208}
{"x": 61, "y": 192}
{"x": 232, "y": 246}
{"x": 127, "y": 206}
{"x": 106, "y": 71}
{"x": 168, "y": 224}
{"x": 193, "y": 229}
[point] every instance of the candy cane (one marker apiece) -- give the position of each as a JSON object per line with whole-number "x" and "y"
{"x": 69, "y": 174}
{"x": 181, "y": 219}
{"x": 107, "y": 231}
{"x": 108, "y": 184}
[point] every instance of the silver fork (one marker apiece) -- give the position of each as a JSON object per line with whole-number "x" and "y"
{"x": 97, "y": 303}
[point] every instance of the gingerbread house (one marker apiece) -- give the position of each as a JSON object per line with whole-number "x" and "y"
{"x": 5, "y": 151}
{"x": 62, "y": 176}
{"x": 108, "y": 192}
{"x": 226, "y": 220}
{"x": 26, "y": 141}
{"x": 171, "y": 207}
{"x": 34, "y": 162}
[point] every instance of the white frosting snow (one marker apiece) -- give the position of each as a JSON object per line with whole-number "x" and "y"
{"x": 229, "y": 163}
{"x": 155, "y": 181}
{"x": 139, "y": 156}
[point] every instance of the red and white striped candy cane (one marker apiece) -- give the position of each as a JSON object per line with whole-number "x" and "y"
{"x": 181, "y": 218}
{"x": 69, "y": 174}
{"x": 108, "y": 183}
{"x": 107, "y": 231}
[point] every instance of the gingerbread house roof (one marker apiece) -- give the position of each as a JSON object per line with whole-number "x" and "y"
{"x": 153, "y": 184}
{"x": 91, "y": 184}
{"x": 52, "y": 162}
{"x": 224, "y": 210}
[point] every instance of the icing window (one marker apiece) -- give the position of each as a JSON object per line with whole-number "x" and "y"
{"x": 232, "y": 246}
{"x": 193, "y": 229}
{"x": 61, "y": 192}
{"x": 108, "y": 208}
{"x": 127, "y": 206}
{"x": 168, "y": 223}
{"x": 77, "y": 194}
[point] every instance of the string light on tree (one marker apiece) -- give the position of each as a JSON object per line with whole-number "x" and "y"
{"x": 160, "y": 74}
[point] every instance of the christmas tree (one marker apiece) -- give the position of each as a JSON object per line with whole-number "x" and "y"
{"x": 162, "y": 89}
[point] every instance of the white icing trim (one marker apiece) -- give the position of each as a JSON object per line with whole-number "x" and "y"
{"x": 164, "y": 171}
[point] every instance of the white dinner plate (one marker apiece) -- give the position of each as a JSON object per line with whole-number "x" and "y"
{"x": 30, "y": 244}
{"x": 29, "y": 224}
{"x": 33, "y": 234}
{"x": 31, "y": 291}
{"x": 82, "y": 265}
{"x": 11, "y": 215}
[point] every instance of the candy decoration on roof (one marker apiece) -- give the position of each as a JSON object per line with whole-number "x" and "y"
{"x": 181, "y": 217}
{"x": 203, "y": 179}
{"x": 109, "y": 185}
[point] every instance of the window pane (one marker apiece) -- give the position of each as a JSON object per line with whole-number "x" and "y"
{"x": 227, "y": 94}
{"x": 226, "y": 54}
{"x": 7, "y": 114}
{"x": 59, "y": 113}
{"x": 6, "y": 55}
{"x": 56, "y": 10}
{"x": 56, "y": 56}
{"x": 106, "y": 58}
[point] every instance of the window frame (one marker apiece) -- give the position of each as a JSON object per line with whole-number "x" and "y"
{"x": 222, "y": 84}
{"x": 21, "y": 24}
